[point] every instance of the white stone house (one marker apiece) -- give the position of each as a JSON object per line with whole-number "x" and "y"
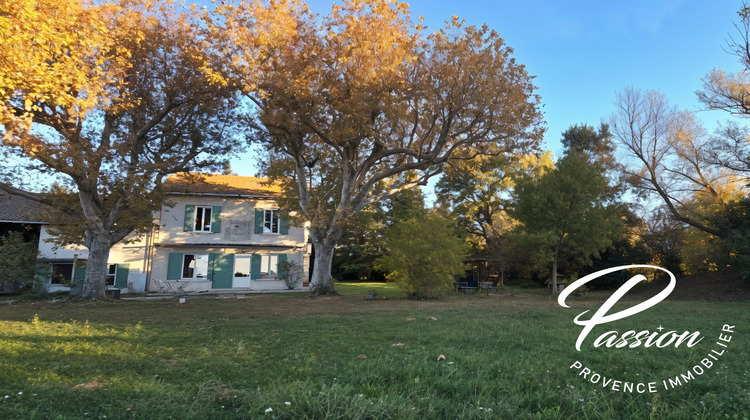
{"x": 216, "y": 232}
{"x": 223, "y": 232}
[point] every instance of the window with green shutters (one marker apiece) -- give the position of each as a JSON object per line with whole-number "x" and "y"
{"x": 202, "y": 218}
{"x": 221, "y": 267}
{"x": 117, "y": 275}
{"x": 196, "y": 266}
{"x": 266, "y": 265}
{"x": 271, "y": 221}
{"x": 215, "y": 267}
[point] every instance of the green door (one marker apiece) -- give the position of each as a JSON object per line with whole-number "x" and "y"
{"x": 221, "y": 267}
{"x": 76, "y": 284}
{"x": 121, "y": 276}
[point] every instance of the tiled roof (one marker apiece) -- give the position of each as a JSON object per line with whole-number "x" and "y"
{"x": 194, "y": 183}
{"x": 17, "y": 209}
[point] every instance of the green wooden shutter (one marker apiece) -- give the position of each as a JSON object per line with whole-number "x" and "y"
{"x": 283, "y": 225}
{"x": 174, "y": 267}
{"x": 221, "y": 267}
{"x": 280, "y": 274}
{"x": 189, "y": 217}
{"x": 255, "y": 267}
{"x": 76, "y": 284}
{"x": 258, "y": 220}
{"x": 121, "y": 276}
{"x": 216, "y": 219}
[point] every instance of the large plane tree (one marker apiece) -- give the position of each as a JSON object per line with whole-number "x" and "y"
{"x": 356, "y": 105}
{"x": 111, "y": 97}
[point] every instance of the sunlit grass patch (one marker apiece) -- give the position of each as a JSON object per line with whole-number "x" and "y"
{"x": 387, "y": 290}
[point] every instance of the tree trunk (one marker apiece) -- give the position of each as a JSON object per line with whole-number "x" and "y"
{"x": 322, "y": 281}
{"x": 554, "y": 270}
{"x": 96, "y": 268}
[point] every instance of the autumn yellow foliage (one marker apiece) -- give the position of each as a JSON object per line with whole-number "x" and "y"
{"x": 112, "y": 96}
{"x": 363, "y": 102}
{"x": 56, "y": 53}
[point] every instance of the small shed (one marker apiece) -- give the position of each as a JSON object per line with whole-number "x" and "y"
{"x": 485, "y": 268}
{"x": 560, "y": 283}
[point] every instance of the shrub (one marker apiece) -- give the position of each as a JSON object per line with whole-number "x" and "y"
{"x": 291, "y": 273}
{"x": 424, "y": 256}
{"x": 18, "y": 260}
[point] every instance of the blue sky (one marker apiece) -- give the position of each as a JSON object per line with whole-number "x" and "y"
{"x": 583, "y": 52}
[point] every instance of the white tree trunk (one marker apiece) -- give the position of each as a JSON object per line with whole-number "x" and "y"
{"x": 322, "y": 281}
{"x": 96, "y": 268}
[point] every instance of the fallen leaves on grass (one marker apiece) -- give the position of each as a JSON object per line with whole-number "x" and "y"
{"x": 90, "y": 385}
{"x": 441, "y": 358}
{"x": 361, "y": 356}
{"x": 398, "y": 344}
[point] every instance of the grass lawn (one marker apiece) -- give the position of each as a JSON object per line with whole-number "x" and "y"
{"x": 387, "y": 290}
{"x": 507, "y": 356}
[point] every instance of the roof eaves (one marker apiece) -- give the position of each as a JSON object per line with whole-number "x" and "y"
{"x": 233, "y": 195}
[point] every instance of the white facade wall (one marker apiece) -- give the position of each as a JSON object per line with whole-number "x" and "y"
{"x": 161, "y": 263}
{"x": 237, "y": 223}
{"x": 236, "y": 237}
{"x": 131, "y": 252}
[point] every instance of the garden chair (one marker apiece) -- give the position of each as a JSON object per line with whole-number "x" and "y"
{"x": 163, "y": 286}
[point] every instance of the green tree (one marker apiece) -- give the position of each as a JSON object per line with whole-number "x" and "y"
{"x": 596, "y": 144}
{"x": 735, "y": 219}
{"x": 362, "y": 241}
{"x": 477, "y": 194}
{"x": 567, "y": 214}
{"x": 424, "y": 255}
{"x": 18, "y": 260}
{"x": 360, "y": 245}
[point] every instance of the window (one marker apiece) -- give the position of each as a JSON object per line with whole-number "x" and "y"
{"x": 194, "y": 266}
{"x": 111, "y": 272}
{"x": 270, "y": 221}
{"x": 268, "y": 264}
{"x": 202, "y": 219}
{"x": 61, "y": 273}
{"x": 242, "y": 265}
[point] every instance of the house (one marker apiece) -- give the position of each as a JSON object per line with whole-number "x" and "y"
{"x": 66, "y": 264}
{"x": 18, "y": 214}
{"x": 214, "y": 232}
{"x": 224, "y": 232}
{"x": 17, "y": 217}
{"x": 127, "y": 270}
